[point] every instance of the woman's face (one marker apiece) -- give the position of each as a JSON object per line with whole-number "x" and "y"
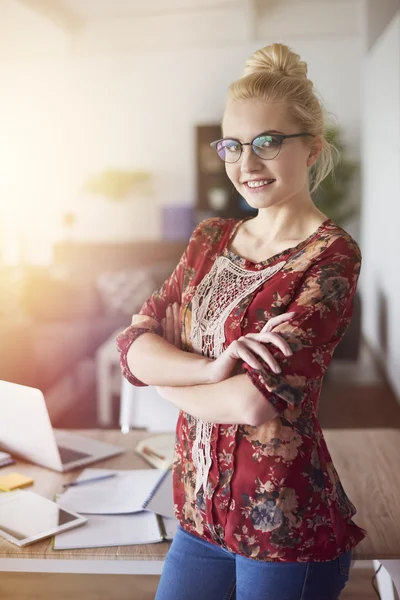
{"x": 244, "y": 120}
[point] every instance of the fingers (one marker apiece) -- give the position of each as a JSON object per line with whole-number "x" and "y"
{"x": 272, "y": 338}
{"x": 177, "y": 330}
{"x": 275, "y": 321}
{"x": 240, "y": 349}
{"x": 171, "y": 325}
{"x": 242, "y": 352}
{"x": 263, "y": 352}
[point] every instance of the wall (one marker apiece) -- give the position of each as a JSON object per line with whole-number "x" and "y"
{"x": 25, "y": 34}
{"x": 379, "y": 15}
{"x": 380, "y": 280}
{"x": 33, "y": 61}
{"x": 114, "y": 100}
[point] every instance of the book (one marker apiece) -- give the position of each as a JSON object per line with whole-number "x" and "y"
{"x": 118, "y": 530}
{"x": 6, "y": 459}
{"x": 158, "y": 450}
{"x": 129, "y": 492}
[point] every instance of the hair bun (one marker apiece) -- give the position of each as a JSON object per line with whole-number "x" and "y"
{"x": 277, "y": 59}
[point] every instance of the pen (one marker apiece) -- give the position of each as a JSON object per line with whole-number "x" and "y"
{"x": 92, "y": 479}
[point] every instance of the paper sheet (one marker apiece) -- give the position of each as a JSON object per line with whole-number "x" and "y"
{"x": 125, "y": 493}
{"x": 162, "y": 502}
{"x": 171, "y": 527}
{"x": 112, "y": 530}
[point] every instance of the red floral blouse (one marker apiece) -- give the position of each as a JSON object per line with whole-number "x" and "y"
{"x": 270, "y": 492}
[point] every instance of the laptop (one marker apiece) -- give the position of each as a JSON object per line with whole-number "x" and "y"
{"x": 26, "y": 432}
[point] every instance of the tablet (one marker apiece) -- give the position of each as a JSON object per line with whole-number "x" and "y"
{"x": 26, "y": 517}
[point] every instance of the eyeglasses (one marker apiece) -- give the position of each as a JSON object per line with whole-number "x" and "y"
{"x": 265, "y": 146}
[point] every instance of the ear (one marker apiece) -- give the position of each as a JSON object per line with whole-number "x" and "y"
{"x": 315, "y": 151}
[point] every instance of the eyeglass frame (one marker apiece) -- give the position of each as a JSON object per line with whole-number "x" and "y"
{"x": 280, "y": 136}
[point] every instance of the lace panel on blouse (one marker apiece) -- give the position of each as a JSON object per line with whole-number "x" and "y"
{"x": 221, "y": 290}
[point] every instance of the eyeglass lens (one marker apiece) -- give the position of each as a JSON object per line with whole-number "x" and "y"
{"x": 265, "y": 146}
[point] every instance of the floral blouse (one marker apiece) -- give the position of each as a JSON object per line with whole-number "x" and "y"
{"x": 269, "y": 492}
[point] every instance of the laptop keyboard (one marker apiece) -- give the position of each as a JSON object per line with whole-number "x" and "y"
{"x": 68, "y": 455}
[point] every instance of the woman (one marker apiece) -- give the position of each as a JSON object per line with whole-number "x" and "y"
{"x": 262, "y": 512}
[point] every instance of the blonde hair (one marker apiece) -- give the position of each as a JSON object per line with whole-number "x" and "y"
{"x": 277, "y": 74}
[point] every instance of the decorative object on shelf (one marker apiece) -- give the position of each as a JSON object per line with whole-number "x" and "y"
{"x": 332, "y": 196}
{"x": 178, "y": 221}
{"x": 123, "y": 205}
{"x": 218, "y": 198}
{"x": 118, "y": 184}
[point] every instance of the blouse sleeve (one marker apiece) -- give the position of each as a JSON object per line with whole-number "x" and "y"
{"x": 324, "y": 306}
{"x": 154, "y": 309}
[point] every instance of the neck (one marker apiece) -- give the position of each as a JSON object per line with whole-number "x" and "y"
{"x": 290, "y": 219}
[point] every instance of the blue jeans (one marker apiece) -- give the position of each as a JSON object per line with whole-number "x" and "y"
{"x": 199, "y": 570}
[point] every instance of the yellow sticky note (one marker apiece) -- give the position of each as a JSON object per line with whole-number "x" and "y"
{"x": 14, "y": 480}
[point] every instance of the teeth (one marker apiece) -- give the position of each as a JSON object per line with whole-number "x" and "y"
{"x": 254, "y": 184}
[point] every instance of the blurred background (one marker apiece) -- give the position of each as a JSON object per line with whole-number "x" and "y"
{"x": 107, "y": 108}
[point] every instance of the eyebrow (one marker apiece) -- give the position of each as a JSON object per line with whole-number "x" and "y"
{"x": 271, "y": 131}
{"x": 231, "y": 137}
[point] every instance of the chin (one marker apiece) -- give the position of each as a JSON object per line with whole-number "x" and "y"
{"x": 267, "y": 199}
{"x": 261, "y": 200}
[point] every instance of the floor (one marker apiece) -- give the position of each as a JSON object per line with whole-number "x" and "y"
{"x": 353, "y": 396}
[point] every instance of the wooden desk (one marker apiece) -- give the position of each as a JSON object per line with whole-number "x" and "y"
{"x": 367, "y": 461}
{"x": 40, "y": 557}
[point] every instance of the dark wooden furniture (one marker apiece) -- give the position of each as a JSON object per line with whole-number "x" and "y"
{"x": 216, "y": 195}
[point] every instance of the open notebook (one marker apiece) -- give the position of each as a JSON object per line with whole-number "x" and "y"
{"x": 129, "y": 492}
{"x": 118, "y": 530}
{"x": 136, "y": 507}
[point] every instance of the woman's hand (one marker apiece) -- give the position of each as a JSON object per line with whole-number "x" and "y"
{"x": 171, "y": 325}
{"x": 246, "y": 347}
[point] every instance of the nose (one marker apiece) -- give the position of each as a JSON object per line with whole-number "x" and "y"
{"x": 249, "y": 161}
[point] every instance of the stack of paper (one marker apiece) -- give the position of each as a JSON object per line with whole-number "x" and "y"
{"x": 135, "y": 507}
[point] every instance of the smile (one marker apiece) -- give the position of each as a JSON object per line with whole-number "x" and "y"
{"x": 261, "y": 183}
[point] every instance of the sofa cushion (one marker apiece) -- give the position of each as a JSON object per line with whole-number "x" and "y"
{"x": 123, "y": 292}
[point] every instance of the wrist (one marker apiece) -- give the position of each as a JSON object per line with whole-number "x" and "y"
{"x": 207, "y": 370}
{"x": 201, "y": 369}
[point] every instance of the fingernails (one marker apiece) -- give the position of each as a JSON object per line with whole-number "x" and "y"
{"x": 277, "y": 370}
